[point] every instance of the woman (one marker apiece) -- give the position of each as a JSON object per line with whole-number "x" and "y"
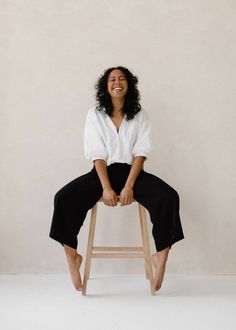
{"x": 117, "y": 140}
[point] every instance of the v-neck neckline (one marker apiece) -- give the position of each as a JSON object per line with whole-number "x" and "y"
{"x": 114, "y": 126}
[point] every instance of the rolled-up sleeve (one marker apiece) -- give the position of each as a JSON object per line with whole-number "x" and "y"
{"x": 94, "y": 147}
{"x": 143, "y": 143}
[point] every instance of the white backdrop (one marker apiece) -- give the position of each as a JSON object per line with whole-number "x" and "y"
{"x": 183, "y": 52}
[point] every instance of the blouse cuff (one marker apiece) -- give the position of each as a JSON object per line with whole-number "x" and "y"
{"x": 99, "y": 157}
{"x": 143, "y": 154}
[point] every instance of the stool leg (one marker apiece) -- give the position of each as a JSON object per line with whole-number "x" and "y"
{"x": 146, "y": 244}
{"x": 143, "y": 237}
{"x": 89, "y": 248}
{"x": 143, "y": 241}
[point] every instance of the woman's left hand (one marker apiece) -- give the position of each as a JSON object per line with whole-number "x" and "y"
{"x": 126, "y": 196}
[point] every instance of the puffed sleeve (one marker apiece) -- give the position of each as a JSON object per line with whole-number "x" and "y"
{"x": 143, "y": 143}
{"x": 94, "y": 147}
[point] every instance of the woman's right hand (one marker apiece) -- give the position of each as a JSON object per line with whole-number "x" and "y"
{"x": 109, "y": 197}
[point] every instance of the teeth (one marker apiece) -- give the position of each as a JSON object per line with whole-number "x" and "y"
{"x": 118, "y": 89}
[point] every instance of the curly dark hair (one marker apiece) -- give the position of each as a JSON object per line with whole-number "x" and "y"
{"x": 132, "y": 97}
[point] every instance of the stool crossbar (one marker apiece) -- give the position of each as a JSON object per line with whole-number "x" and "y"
{"x": 120, "y": 251}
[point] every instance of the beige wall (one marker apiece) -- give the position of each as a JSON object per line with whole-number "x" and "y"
{"x": 184, "y": 54}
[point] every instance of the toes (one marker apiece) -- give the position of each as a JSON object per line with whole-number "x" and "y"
{"x": 157, "y": 287}
{"x": 79, "y": 287}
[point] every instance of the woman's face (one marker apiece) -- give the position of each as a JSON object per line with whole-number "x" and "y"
{"x": 117, "y": 84}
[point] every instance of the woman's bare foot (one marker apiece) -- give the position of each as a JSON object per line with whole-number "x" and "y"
{"x": 159, "y": 261}
{"x": 74, "y": 267}
{"x": 74, "y": 261}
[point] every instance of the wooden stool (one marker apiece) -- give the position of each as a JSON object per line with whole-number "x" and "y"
{"x": 138, "y": 252}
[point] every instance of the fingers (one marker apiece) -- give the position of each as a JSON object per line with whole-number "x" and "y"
{"x": 113, "y": 202}
{"x": 110, "y": 201}
{"x": 109, "y": 197}
{"x": 126, "y": 196}
{"x": 126, "y": 201}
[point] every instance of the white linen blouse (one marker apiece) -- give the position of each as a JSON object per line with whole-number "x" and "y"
{"x": 102, "y": 141}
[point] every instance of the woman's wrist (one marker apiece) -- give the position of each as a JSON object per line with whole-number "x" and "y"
{"x": 128, "y": 187}
{"x": 106, "y": 187}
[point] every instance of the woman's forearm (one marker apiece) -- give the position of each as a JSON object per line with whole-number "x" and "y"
{"x": 109, "y": 195}
{"x": 101, "y": 168}
{"x": 136, "y": 167}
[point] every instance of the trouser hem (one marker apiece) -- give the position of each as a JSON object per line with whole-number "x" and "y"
{"x": 63, "y": 241}
{"x": 166, "y": 245}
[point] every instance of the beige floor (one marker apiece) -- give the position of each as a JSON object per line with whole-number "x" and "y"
{"x": 48, "y": 302}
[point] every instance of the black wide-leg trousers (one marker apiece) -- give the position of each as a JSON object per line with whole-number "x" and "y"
{"x": 72, "y": 202}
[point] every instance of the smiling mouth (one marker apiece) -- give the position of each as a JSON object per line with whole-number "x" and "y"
{"x": 117, "y": 89}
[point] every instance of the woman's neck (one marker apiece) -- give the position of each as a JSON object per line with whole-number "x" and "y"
{"x": 117, "y": 106}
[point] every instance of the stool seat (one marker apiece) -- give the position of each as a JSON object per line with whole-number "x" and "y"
{"x": 142, "y": 251}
